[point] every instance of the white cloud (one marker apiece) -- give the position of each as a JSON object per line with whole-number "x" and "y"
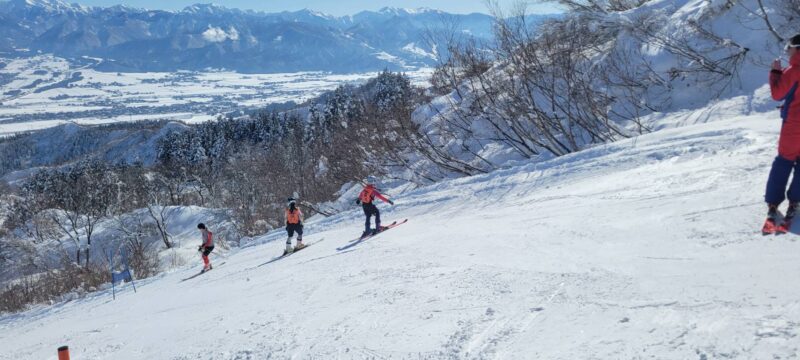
{"x": 216, "y": 34}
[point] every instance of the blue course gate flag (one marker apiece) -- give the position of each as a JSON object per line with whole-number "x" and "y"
{"x": 117, "y": 277}
{"x": 120, "y": 276}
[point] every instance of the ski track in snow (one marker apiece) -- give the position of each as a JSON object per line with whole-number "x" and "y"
{"x": 644, "y": 248}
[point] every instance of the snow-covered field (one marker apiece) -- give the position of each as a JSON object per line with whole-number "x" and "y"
{"x": 644, "y": 248}
{"x": 46, "y": 91}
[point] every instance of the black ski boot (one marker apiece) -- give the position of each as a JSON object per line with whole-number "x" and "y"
{"x": 770, "y": 226}
{"x": 786, "y": 225}
{"x": 791, "y": 211}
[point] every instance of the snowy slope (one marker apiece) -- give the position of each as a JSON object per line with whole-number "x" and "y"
{"x": 645, "y": 248}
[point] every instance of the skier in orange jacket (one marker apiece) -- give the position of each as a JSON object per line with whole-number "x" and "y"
{"x": 367, "y": 200}
{"x": 294, "y": 223}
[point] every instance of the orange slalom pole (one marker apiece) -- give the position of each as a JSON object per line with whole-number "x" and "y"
{"x": 63, "y": 353}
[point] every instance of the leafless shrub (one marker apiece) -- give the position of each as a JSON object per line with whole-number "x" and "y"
{"x": 51, "y": 286}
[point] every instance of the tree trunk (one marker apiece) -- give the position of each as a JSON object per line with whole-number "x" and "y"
{"x": 165, "y": 238}
{"x": 88, "y": 247}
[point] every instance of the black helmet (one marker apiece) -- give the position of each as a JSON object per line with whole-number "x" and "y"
{"x": 291, "y": 201}
{"x": 794, "y": 42}
{"x": 201, "y": 226}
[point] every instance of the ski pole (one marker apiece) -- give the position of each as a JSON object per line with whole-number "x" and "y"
{"x": 219, "y": 254}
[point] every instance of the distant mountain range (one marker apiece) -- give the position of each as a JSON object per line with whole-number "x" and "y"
{"x": 211, "y": 36}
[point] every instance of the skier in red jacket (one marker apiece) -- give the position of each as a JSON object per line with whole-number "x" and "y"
{"x": 367, "y": 200}
{"x": 783, "y": 83}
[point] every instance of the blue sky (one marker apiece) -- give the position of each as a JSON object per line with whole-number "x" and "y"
{"x": 335, "y": 7}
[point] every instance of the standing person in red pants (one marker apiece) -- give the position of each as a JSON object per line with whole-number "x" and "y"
{"x": 206, "y": 247}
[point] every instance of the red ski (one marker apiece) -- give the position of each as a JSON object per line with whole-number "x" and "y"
{"x": 202, "y": 272}
{"x": 383, "y": 228}
{"x": 387, "y": 227}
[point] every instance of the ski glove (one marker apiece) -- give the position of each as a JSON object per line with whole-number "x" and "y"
{"x": 358, "y": 201}
{"x": 391, "y": 202}
{"x": 200, "y": 248}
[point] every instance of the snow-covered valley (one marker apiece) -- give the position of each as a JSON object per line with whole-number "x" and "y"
{"x": 46, "y": 91}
